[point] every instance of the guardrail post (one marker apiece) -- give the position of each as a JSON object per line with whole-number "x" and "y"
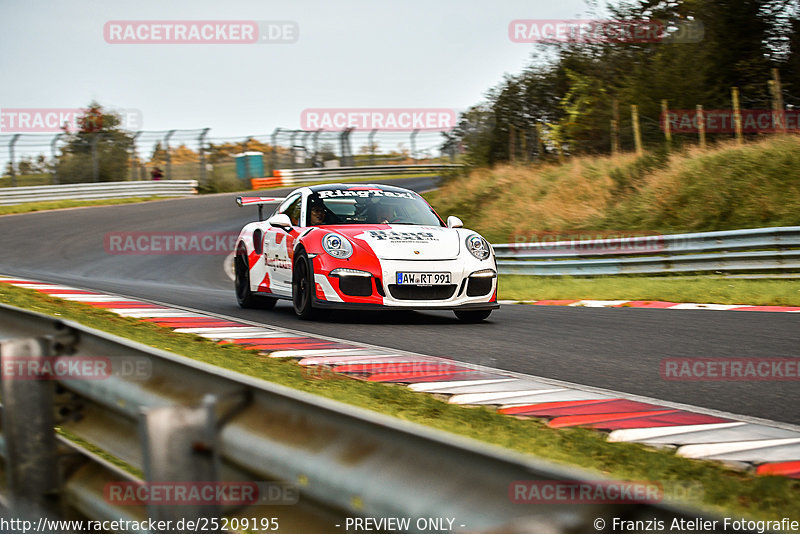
{"x": 11, "y": 169}
{"x": 414, "y": 144}
{"x": 28, "y": 422}
{"x": 180, "y": 445}
{"x": 53, "y": 149}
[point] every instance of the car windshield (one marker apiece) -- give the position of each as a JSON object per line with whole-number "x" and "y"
{"x": 371, "y": 206}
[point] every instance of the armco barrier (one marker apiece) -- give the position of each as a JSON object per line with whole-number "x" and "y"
{"x": 94, "y": 191}
{"x": 190, "y": 421}
{"x": 758, "y": 249}
{"x": 289, "y": 177}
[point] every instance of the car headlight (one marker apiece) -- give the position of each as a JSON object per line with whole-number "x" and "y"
{"x": 337, "y": 246}
{"x": 478, "y": 247}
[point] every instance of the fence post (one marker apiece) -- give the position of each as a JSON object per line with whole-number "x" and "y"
{"x": 292, "y": 150}
{"x": 414, "y": 144}
{"x": 778, "y": 123}
{"x": 201, "y": 151}
{"x": 168, "y": 156}
{"x": 12, "y": 171}
{"x": 315, "y": 143}
{"x": 350, "y": 159}
{"x": 701, "y": 125}
{"x": 511, "y": 139}
{"x": 637, "y": 132}
{"x": 95, "y": 157}
{"x": 540, "y": 140}
{"x": 306, "y": 152}
{"x": 133, "y": 156}
{"x": 523, "y": 139}
{"x": 274, "y": 152}
{"x": 737, "y": 115}
{"x": 370, "y": 143}
{"x": 667, "y": 125}
{"x": 53, "y": 149}
{"x": 615, "y": 127}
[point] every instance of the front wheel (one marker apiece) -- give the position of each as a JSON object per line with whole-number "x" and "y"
{"x": 302, "y": 287}
{"x": 472, "y": 316}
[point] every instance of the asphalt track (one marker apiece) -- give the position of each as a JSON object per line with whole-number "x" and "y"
{"x": 614, "y": 348}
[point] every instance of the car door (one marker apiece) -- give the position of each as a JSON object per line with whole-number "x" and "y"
{"x": 279, "y": 247}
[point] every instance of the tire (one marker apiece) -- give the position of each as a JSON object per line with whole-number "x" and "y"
{"x": 472, "y": 316}
{"x": 302, "y": 287}
{"x": 244, "y": 296}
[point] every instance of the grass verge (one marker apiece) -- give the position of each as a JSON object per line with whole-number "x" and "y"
{"x": 724, "y": 187}
{"x": 708, "y": 289}
{"x": 62, "y": 204}
{"x": 725, "y": 492}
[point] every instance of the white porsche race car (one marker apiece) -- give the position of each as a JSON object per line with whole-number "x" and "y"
{"x": 362, "y": 247}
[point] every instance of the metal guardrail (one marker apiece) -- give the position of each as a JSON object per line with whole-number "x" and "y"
{"x": 93, "y": 191}
{"x": 758, "y": 249}
{"x": 190, "y": 421}
{"x": 290, "y": 176}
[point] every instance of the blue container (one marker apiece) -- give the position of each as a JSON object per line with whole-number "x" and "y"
{"x": 249, "y": 165}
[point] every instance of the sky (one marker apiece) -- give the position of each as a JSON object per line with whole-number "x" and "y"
{"x": 442, "y": 54}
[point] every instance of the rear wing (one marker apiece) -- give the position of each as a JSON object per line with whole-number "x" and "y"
{"x": 258, "y": 201}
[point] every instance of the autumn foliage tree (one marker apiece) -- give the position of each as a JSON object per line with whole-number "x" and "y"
{"x": 98, "y": 150}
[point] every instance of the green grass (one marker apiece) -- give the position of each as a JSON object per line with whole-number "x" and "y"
{"x": 724, "y": 491}
{"x": 709, "y": 289}
{"x": 26, "y": 180}
{"x": 63, "y": 204}
{"x": 725, "y": 187}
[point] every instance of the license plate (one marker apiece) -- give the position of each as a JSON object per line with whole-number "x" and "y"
{"x": 423, "y": 279}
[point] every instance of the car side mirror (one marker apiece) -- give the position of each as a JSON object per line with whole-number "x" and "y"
{"x": 454, "y": 222}
{"x": 281, "y": 220}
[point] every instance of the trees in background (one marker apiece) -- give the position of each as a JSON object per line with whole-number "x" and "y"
{"x": 98, "y": 150}
{"x": 566, "y": 101}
